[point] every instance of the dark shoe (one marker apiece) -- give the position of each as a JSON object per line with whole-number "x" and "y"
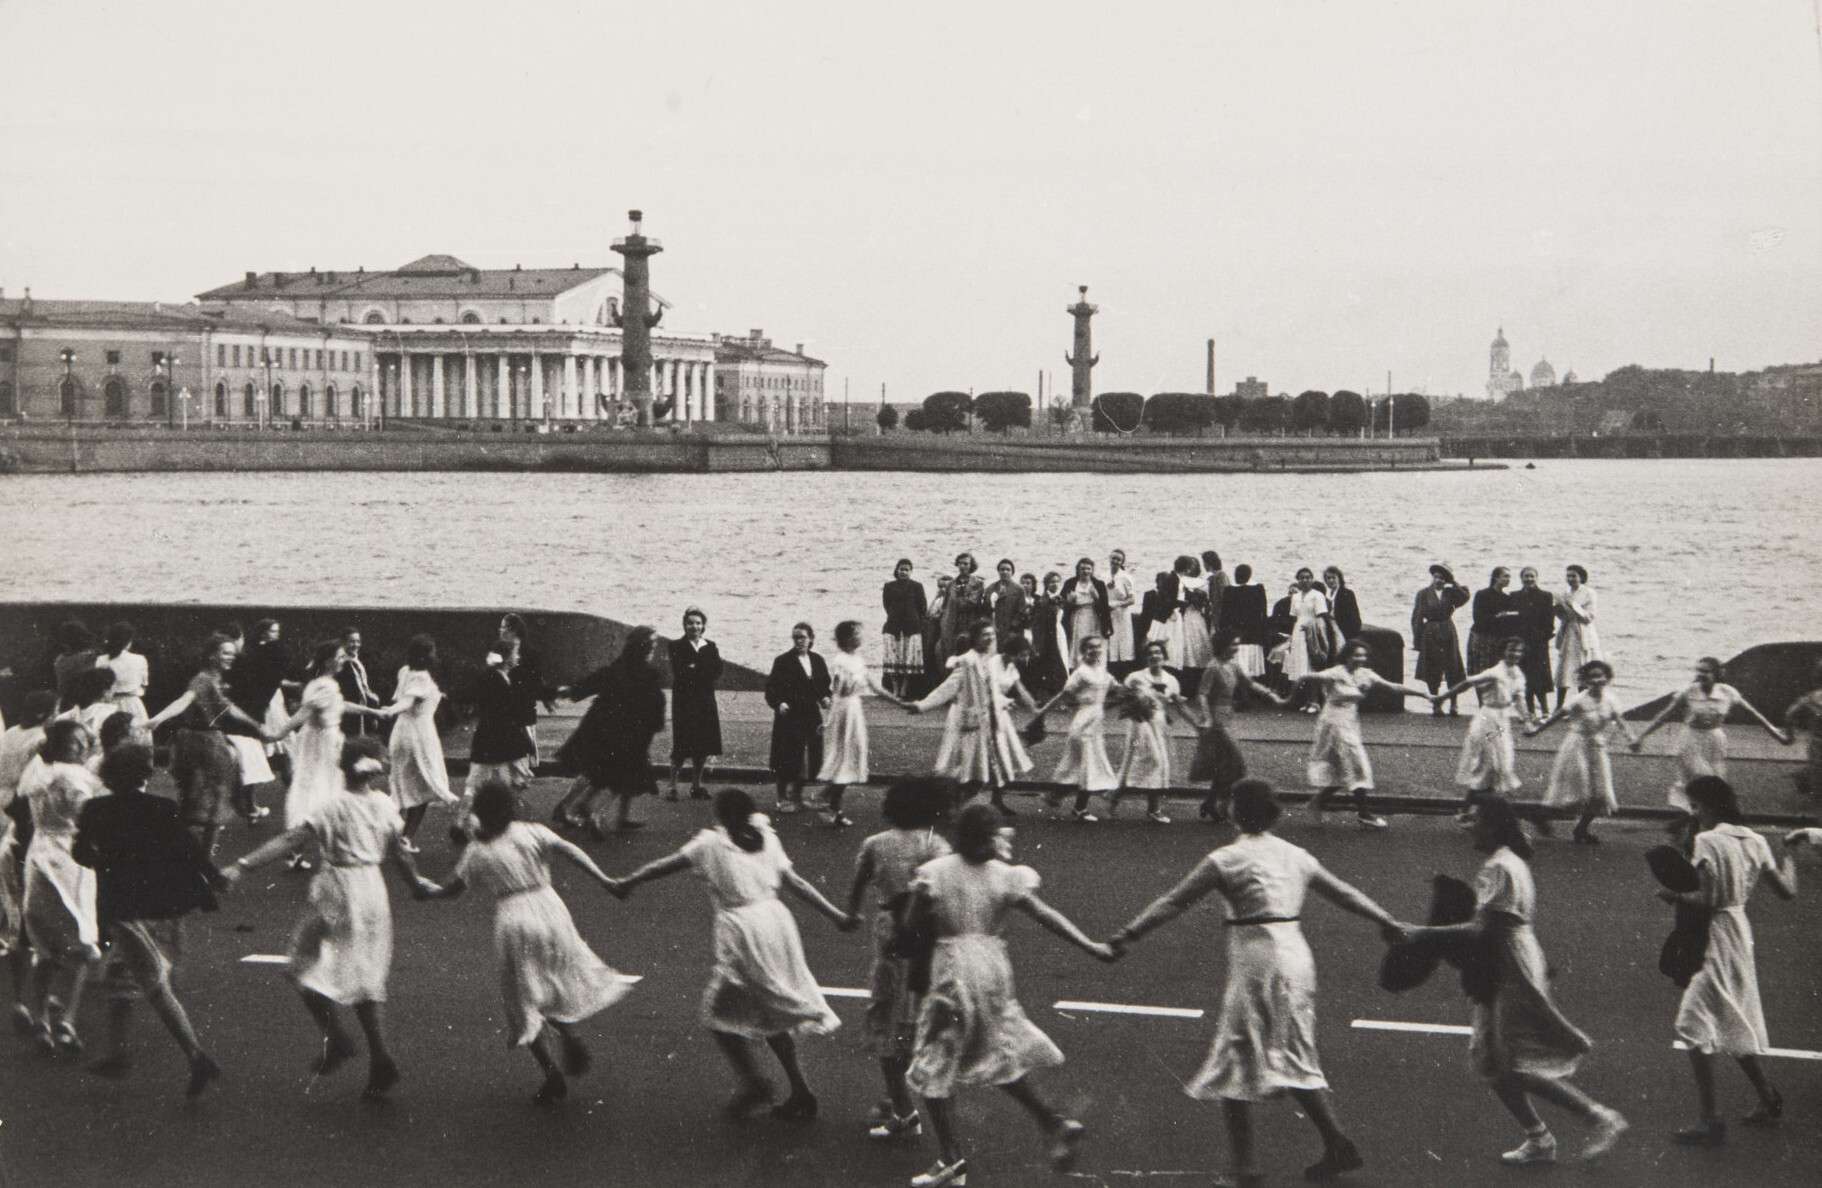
{"x": 112, "y": 1067}
{"x": 1582, "y": 837}
{"x": 741, "y": 1106}
{"x": 336, "y": 1051}
{"x": 458, "y": 836}
{"x": 1066, "y": 1143}
{"x": 1768, "y": 1112}
{"x": 698, "y": 794}
{"x": 628, "y": 825}
{"x": 553, "y": 1090}
{"x": 574, "y": 1056}
{"x": 202, "y": 1071}
{"x": 1711, "y": 1132}
{"x": 1335, "y": 1162}
{"x": 382, "y": 1075}
{"x": 796, "y": 1108}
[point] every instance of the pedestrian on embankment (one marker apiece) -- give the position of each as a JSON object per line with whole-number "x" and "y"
{"x": 1535, "y": 624}
{"x": 797, "y": 689}
{"x": 1433, "y": 635}
{"x": 695, "y": 718}
{"x": 1577, "y": 639}
{"x": 902, "y": 634}
{"x": 1494, "y": 619}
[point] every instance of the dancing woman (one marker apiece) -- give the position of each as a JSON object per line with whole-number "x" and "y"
{"x": 610, "y": 747}
{"x": 844, "y": 756}
{"x": 420, "y": 778}
{"x": 1150, "y": 695}
{"x": 1581, "y": 777}
{"x": 316, "y": 760}
{"x": 1338, "y": 755}
{"x": 1720, "y": 1011}
{"x": 548, "y": 974}
{"x": 1704, "y": 706}
{"x": 19, "y": 747}
{"x": 341, "y": 951}
{"x": 1084, "y": 762}
{"x": 887, "y": 862}
{"x": 1265, "y": 1041}
{"x": 203, "y": 762}
{"x": 980, "y": 746}
{"x": 761, "y": 989}
{"x": 1489, "y": 764}
{"x": 1218, "y": 759}
{"x": 695, "y": 718}
{"x": 1577, "y": 641}
{"x": 59, "y": 905}
{"x": 971, "y": 1029}
{"x": 131, "y": 671}
{"x": 1522, "y": 1044}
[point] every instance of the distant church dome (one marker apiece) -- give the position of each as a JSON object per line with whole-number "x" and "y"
{"x": 1543, "y": 375}
{"x": 1499, "y": 340}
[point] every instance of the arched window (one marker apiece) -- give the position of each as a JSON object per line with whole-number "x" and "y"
{"x": 277, "y": 407}
{"x": 374, "y": 318}
{"x": 303, "y": 401}
{"x": 329, "y": 409}
{"x": 221, "y": 401}
{"x": 158, "y": 391}
{"x": 66, "y": 396}
{"x": 250, "y": 403}
{"x": 471, "y": 318}
{"x": 8, "y": 407}
{"x": 359, "y": 401}
{"x": 116, "y": 394}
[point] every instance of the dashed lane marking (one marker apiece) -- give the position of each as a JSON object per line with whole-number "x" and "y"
{"x": 265, "y": 959}
{"x": 843, "y": 992}
{"x": 1423, "y": 1028}
{"x": 1786, "y": 1053}
{"x": 1122, "y": 1008}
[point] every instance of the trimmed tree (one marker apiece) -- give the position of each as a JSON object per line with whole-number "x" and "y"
{"x": 916, "y": 421}
{"x": 947, "y": 412}
{"x": 1227, "y": 411}
{"x": 1000, "y": 411}
{"x": 1266, "y": 414}
{"x": 1310, "y": 411}
{"x": 1118, "y": 412}
{"x": 1179, "y": 412}
{"x": 1408, "y": 411}
{"x": 1347, "y": 412}
{"x": 886, "y": 418}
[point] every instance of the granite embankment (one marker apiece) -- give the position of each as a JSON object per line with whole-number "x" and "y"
{"x": 50, "y": 449}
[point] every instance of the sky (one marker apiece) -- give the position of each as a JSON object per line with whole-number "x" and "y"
{"x": 1332, "y": 191}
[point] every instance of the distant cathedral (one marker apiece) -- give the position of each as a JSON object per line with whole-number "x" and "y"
{"x": 1502, "y": 380}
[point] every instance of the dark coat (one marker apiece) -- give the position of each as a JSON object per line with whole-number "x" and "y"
{"x": 357, "y": 689}
{"x": 1103, "y": 611}
{"x": 499, "y": 735}
{"x": 1243, "y": 613}
{"x": 905, "y": 607}
{"x": 1010, "y": 609}
{"x": 147, "y": 865}
{"x": 611, "y": 745}
{"x": 695, "y": 718}
{"x": 1346, "y": 609}
{"x": 797, "y": 733}
{"x": 253, "y": 680}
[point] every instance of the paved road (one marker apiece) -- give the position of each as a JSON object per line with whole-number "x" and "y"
{"x": 648, "y": 1114}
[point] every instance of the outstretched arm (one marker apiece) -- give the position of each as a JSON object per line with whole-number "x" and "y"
{"x": 656, "y": 869}
{"x": 1064, "y": 927}
{"x": 802, "y": 888}
{"x": 449, "y": 890}
{"x": 1199, "y": 882}
{"x": 407, "y": 867}
{"x": 1474, "y": 682}
{"x": 1556, "y": 715}
{"x": 1349, "y": 898}
{"x": 1770, "y": 729}
{"x": 1675, "y": 706}
{"x": 170, "y": 711}
{"x": 863, "y": 875}
{"x": 285, "y": 843}
{"x": 577, "y": 855}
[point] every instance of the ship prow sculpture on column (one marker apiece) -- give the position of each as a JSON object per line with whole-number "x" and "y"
{"x": 1081, "y": 361}
{"x": 636, "y": 316}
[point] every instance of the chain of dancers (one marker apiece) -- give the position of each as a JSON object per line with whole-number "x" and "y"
{"x": 97, "y": 874}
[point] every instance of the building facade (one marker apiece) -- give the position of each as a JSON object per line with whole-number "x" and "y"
{"x": 1251, "y": 388}
{"x": 147, "y": 362}
{"x": 759, "y": 384}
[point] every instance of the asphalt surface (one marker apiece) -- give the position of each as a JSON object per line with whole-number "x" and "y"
{"x": 649, "y": 1112}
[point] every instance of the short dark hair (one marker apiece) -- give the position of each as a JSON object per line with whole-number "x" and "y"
{"x": 734, "y": 809}
{"x": 325, "y": 652}
{"x": 91, "y": 685}
{"x": 917, "y": 803}
{"x": 420, "y": 652}
{"x": 494, "y": 808}
{"x": 127, "y": 767}
{"x": 37, "y": 708}
{"x": 976, "y": 831}
{"x": 1504, "y": 825}
{"x": 702, "y": 614}
{"x": 1256, "y": 807}
{"x": 1242, "y": 571}
{"x": 58, "y": 736}
{"x": 1593, "y": 666}
{"x": 363, "y": 758}
{"x": 847, "y": 633}
{"x": 1579, "y": 572}
{"x": 116, "y": 728}
{"x": 119, "y": 638}
{"x": 796, "y": 627}
{"x": 1717, "y": 796}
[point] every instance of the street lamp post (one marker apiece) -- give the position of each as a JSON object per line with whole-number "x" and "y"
{"x": 265, "y": 392}
{"x": 170, "y": 388}
{"x": 66, "y": 394}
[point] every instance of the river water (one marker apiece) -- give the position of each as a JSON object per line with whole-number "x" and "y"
{"x": 1689, "y": 557}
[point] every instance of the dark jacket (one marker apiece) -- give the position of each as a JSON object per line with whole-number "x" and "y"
{"x": 905, "y": 607}
{"x": 1536, "y": 614}
{"x": 695, "y": 718}
{"x": 499, "y": 734}
{"x": 254, "y": 680}
{"x": 357, "y": 689}
{"x": 1243, "y": 613}
{"x": 797, "y": 733}
{"x": 147, "y": 865}
{"x": 1494, "y": 613}
{"x": 1346, "y": 609}
{"x": 1103, "y": 612}
{"x": 611, "y": 743}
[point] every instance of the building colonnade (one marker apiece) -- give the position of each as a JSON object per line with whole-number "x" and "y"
{"x": 530, "y": 385}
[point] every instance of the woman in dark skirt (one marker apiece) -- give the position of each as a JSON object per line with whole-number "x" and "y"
{"x": 611, "y": 746}
{"x": 1433, "y": 634}
{"x": 798, "y": 690}
{"x": 527, "y": 678}
{"x": 1535, "y": 624}
{"x": 202, "y": 761}
{"x": 695, "y": 719}
{"x": 1049, "y": 667}
{"x": 902, "y": 636}
{"x": 1495, "y": 620}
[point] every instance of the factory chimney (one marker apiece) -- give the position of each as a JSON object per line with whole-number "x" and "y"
{"x": 1211, "y": 367}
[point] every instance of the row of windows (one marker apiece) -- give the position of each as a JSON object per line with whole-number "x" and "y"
{"x": 227, "y": 355}
{"x": 304, "y": 406}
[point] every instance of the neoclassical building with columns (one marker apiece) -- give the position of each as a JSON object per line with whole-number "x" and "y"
{"x": 451, "y": 341}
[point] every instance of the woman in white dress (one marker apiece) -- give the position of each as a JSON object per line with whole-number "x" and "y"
{"x": 1151, "y": 694}
{"x": 971, "y": 1029}
{"x": 1720, "y": 1011}
{"x": 131, "y": 671}
{"x": 762, "y": 988}
{"x": 1265, "y": 1041}
{"x": 1198, "y": 645}
{"x": 980, "y": 746}
{"x": 316, "y": 756}
{"x": 1084, "y": 762}
{"x": 59, "y": 900}
{"x": 341, "y": 950}
{"x": 844, "y": 731}
{"x": 1338, "y": 755}
{"x": 1704, "y": 707}
{"x": 1581, "y": 776}
{"x": 887, "y": 862}
{"x": 1522, "y": 1045}
{"x": 1122, "y": 596}
{"x": 419, "y": 777}
{"x": 19, "y": 747}
{"x": 1489, "y": 763}
{"x": 1307, "y": 651}
{"x": 548, "y": 974}
{"x": 1577, "y": 641}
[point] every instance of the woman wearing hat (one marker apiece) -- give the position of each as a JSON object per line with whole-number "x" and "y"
{"x": 1265, "y": 1041}
{"x": 1433, "y": 634}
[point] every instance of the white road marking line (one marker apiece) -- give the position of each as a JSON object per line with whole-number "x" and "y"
{"x": 629, "y": 979}
{"x": 265, "y": 959}
{"x": 1787, "y": 1053}
{"x": 1121, "y": 1008}
{"x": 843, "y": 992}
{"x": 1424, "y": 1028}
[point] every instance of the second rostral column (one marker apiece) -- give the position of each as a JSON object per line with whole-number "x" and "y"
{"x": 1082, "y": 360}
{"x": 636, "y": 317}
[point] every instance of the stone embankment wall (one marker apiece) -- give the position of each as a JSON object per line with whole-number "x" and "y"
{"x": 1146, "y": 455}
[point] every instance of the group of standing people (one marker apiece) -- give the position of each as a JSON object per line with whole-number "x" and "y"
{"x": 1536, "y": 617}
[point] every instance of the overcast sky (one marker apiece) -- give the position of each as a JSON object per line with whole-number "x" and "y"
{"x": 1331, "y": 190}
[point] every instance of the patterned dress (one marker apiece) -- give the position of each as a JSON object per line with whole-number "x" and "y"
{"x": 979, "y": 743}
{"x": 1084, "y": 762}
{"x": 893, "y": 858}
{"x": 1488, "y": 760}
{"x": 1582, "y": 774}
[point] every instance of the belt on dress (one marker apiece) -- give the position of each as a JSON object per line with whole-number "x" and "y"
{"x": 1247, "y": 920}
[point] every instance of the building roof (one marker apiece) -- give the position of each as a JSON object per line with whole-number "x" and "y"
{"x": 754, "y": 347}
{"x": 152, "y": 315}
{"x": 425, "y": 277}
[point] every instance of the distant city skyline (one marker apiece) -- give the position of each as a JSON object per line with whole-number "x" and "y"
{"x": 1331, "y": 192}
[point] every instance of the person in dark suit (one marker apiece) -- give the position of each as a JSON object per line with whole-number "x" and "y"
{"x": 1342, "y": 604}
{"x": 1536, "y": 624}
{"x": 150, "y": 873}
{"x": 798, "y": 691}
{"x": 695, "y": 718}
{"x": 357, "y": 689}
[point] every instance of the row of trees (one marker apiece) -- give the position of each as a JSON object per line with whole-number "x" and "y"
{"x": 1311, "y": 412}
